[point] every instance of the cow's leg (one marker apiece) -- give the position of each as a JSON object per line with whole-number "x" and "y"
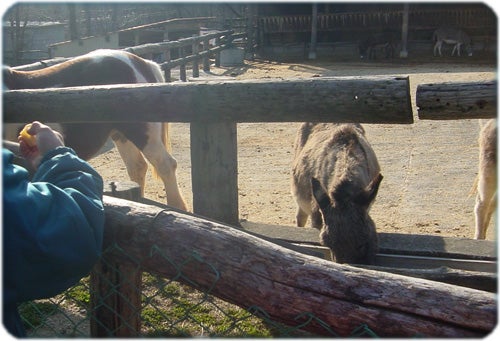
{"x": 133, "y": 159}
{"x": 165, "y": 165}
{"x": 485, "y": 201}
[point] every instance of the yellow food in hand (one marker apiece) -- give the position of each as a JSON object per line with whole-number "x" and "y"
{"x": 26, "y": 137}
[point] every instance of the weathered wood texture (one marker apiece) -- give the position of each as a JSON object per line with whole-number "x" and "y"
{"x": 249, "y": 271}
{"x": 451, "y": 101}
{"x": 115, "y": 289}
{"x": 343, "y": 99}
{"x": 470, "y": 279}
{"x": 115, "y": 286}
{"x": 215, "y": 144}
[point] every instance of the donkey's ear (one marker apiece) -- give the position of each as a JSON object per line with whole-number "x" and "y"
{"x": 320, "y": 194}
{"x": 366, "y": 196}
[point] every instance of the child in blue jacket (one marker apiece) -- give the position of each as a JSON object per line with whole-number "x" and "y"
{"x": 52, "y": 224}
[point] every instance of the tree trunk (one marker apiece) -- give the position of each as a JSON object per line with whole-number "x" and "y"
{"x": 252, "y": 272}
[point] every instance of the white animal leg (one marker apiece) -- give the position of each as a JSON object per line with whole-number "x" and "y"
{"x": 164, "y": 164}
{"x": 486, "y": 179}
{"x": 485, "y": 202}
{"x": 133, "y": 159}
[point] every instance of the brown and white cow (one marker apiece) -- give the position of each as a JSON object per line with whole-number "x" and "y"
{"x": 135, "y": 142}
{"x": 335, "y": 178}
{"x": 486, "y": 181}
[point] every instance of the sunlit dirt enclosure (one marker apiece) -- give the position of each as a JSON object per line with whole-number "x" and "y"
{"x": 429, "y": 167}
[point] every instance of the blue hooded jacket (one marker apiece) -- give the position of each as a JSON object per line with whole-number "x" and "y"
{"x": 52, "y": 228}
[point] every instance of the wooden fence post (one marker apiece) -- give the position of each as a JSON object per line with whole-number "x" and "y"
{"x": 182, "y": 67}
{"x": 217, "y": 55}
{"x": 215, "y": 188}
{"x": 206, "y": 58}
{"x": 167, "y": 71}
{"x": 196, "y": 66}
{"x": 115, "y": 287}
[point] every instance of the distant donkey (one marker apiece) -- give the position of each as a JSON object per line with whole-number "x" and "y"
{"x": 385, "y": 41}
{"x": 452, "y": 36}
{"x": 339, "y": 157}
{"x": 486, "y": 181}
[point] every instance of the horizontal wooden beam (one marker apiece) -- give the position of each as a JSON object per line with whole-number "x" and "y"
{"x": 249, "y": 271}
{"x": 451, "y": 101}
{"x": 341, "y": 99}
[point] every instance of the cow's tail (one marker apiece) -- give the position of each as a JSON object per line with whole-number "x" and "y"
{"x": 434, "y": 36}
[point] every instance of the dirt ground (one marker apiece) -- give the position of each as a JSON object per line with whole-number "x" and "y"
{"x": 429, "y": 167}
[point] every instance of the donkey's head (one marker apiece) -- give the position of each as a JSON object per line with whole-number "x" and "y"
{"x": 348, "y": 230}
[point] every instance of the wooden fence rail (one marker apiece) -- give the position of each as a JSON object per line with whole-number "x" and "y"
{"x": 341, "y": 99}
{"x": 223, "y": 41}
{"x": 249, "y": 271}
{"x": 449, "y": 101}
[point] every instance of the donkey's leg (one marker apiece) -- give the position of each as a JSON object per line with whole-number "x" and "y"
{"x": 437, "y": 48}
{"x": 165, "y": 165}
{"x": 316, "y": 219}
{"x": 133, "y": 159}
{"x": 301, "y": 217}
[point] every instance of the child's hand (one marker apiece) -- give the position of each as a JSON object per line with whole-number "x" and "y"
{"x": 36, "y": 139}
{"x": 27, "y": 137}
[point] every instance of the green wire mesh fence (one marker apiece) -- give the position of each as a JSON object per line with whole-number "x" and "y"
{"x": 167, "y": 308}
